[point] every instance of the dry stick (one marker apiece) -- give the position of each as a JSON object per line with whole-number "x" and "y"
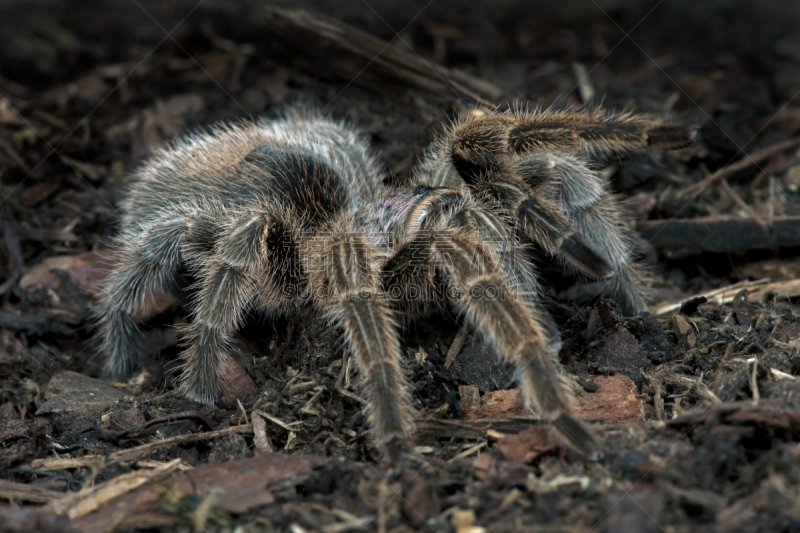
{"x": 721, "y": 233}
{"x": 22, "y": 492}
{"x": 15, "y": 157}
{"x": 90, "y": 499}
{"x": 720, "y": 296}
{"x": 741, "y": 203}
{"x": 333, "y": 48}
{"x": 746, "y": 161}
{"x": 697, "y": 385}
{"x": 789, "y": 288}
{"x": 133, "y": 454}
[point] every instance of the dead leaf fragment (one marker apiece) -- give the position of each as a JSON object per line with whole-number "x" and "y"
{"x": 36, "y": 193}
{"x": 527, "y": 444}
{"x": 87, "y": 271}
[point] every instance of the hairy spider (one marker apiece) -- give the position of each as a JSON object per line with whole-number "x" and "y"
{"x": 291, "y": 215}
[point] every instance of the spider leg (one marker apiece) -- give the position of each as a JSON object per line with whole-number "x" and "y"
{"x": 495, "y": 232}
{"x": 344, "y": 281}
{"x": 570, "y": 182}
{"x": 543, "y": 130}
{"x": 540, "y": 220}
{"x": 485, "y": 292}
{"x": 594, "y": 131}
{"x": 147, "y": 264}
{"x": 522, "y": 162}
{"x": 230, "y": 279}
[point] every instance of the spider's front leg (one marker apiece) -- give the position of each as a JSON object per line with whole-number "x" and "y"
{"x": 486, "y": 290}
{"x": 527, "y": 164}
{"x": 344, "y": 281}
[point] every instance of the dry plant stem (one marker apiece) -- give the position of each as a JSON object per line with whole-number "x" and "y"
{"x": 136, "y": 453}
{"x": 698, "y": 386}
{"x": 746, "y": 161}
{"x": 15, "y": 157}
{"x": 23, "y": 492}
{"x": 742, "y": 204}
{"x": 724, "y": 295}
{"x": 337, "y": 49}
{"x": 721, "y": 233}
{"x": 92, "y": 498}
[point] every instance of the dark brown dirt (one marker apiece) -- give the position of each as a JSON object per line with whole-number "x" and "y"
{"x": 89, "y": 90}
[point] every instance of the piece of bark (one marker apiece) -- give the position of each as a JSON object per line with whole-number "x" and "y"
{"x": 78, "y": 395}
{"x": 616, "y": 402}
{"x": 721, "y": 234}
{"x": 244, "y": 484}
{"x": 327, "y": 46}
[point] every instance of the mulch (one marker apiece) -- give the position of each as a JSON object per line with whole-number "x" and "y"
{"x": 696, "y": 402}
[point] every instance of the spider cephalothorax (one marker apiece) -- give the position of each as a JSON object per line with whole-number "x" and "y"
{"x": 289, "y": 215}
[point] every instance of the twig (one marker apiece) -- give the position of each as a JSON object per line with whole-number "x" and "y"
{"x": 330, "y": 47}
{"x": 716, "y": 296}
{"x": 91, "y": 498}
{"x": 466, "y": 453}
{"x": 741, "y": 203}
{"x": 754, "y": 383}
{"x": 746, "y": 161}
{"x": 281, "y": 423}
{"x": 137, "y": 452}
{"x": 20, "y": 492}
{"x": 698, "y": 386}
{"x": 15, "y": 157}
{"x": 789, "y": 288}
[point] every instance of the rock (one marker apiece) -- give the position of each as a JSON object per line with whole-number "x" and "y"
{"x": 78, "y": 395}
{"x": 235, "y": 383}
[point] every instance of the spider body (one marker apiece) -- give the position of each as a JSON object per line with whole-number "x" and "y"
{"x": 291, "y": 215}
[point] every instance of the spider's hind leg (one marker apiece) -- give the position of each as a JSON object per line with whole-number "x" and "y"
{"x": 237, "y": 273}
{"x": 147, "y": 264}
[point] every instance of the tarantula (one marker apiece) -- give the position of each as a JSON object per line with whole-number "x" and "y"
{"x": 291, "y": 215}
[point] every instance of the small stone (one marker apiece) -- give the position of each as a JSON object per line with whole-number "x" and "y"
{"x": 235, "y": 383}
{"x": 78, "y": 395}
